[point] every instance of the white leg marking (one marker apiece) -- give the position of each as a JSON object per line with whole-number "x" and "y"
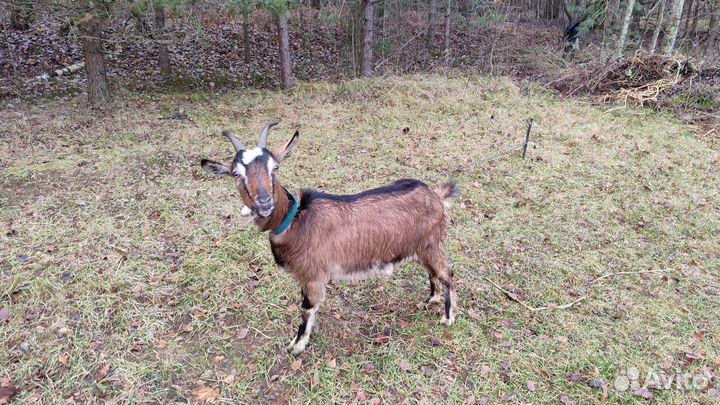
{"x": 435, "y": 299}
{"x": 245, "y": 211}
{"x": 298, "y": 345}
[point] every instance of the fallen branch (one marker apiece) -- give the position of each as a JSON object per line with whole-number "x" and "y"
{"x": 514, "y": 297}
{"x": 624, "y": 273}
{"x": 68, "y": 70}
{"x": 551, "y": 307}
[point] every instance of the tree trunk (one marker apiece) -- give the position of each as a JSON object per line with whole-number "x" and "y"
{"x": 695, "y": 18}
{"x": 432, "y": 21}
{"x": 714, "y": 25}
{"x": 366, "y": 62}
{"x": 658, "y": 27}
{"x": 687, "y": 12}
{"x": 625, "y": 27}
{"x": 286, "y": 77}
{"x": 163, "y": 53}
{"x": 97, "y": 83}
{"x": 448, "y": 7}
{"x": 246, "y": 38}
{"x": 674, "y": 26}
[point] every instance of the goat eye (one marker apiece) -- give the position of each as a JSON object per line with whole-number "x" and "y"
{"x": 275, "y": 168}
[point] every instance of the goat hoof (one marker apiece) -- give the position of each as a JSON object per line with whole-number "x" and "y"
{"x": 433, "y": 299}
{"x": 448, "y": 321}
{"x": 297, "y": 348}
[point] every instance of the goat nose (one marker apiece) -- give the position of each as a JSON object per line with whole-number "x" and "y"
{"x": 264, "y": 200}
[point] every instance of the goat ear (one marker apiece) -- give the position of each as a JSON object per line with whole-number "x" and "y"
{"x": 214, "y": 167}
{"x": 289, "y": 147}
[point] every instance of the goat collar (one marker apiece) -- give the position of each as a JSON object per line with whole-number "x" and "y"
{"x": 289, "y": 217}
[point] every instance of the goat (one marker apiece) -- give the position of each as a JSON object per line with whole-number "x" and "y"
{"x": 320, "y": 237}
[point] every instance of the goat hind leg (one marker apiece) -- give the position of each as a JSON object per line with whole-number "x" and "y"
{"x": 440, "y": 275}
{"x": 434, "y": 296}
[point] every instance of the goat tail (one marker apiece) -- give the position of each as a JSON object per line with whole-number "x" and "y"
{"x": 447, "y": 192}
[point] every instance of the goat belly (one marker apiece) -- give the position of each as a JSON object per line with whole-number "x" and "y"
{"x": 337, "y": 272}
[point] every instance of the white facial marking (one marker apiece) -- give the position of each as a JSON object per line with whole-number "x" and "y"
{"x": 250, "y": 155}
{"x": 270, "y": 165}
{"x": 240, "y": 170}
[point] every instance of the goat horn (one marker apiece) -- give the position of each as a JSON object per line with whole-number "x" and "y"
{"x": 263, "y": 138}
{"x": 234, "y": 139}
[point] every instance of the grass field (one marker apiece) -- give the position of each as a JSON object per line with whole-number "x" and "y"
{"x": 127, "y": 274}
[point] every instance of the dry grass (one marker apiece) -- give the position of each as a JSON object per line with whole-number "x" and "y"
{"x": 131, "y": 278}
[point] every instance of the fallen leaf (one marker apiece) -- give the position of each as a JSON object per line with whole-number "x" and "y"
{"x": 691, "y": 356}
{"x": 474, "y": 315}
{"x": 7, "y": 391}
{"x": 102, "y": 373}
{"x": 470, "y": 400}
{"x": 314, "y": 380}
{"x": 485, "y": 370}
{"x": 531, "y": 386}
{"x": 644, "y": 393}
{"x": 484, "y": 400}
{"x": 360, "y": 396}
{"x": 5, "y": 314}
{"x": 295, "y": 365}
{"x": 332, "y": 363}
{"x": 567, "y": 401}
{"x": 404, "y": 365}
{"x": 242, "y": 333}
{"x": 230, "y": 378}
{"x": 218, "y": 359}
{"x": 507, "y": 396}
{"x": 206, "y": 395}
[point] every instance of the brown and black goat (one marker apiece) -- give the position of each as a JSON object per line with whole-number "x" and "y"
{"x": 319, "y": 237}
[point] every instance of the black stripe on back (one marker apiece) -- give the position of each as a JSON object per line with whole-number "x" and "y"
{"x": 399, "y": 187}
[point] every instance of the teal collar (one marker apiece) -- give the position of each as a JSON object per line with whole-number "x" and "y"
{"x": 288, "y": 218}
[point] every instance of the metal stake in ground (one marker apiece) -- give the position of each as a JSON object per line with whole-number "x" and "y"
{"x": 531, "y": 121}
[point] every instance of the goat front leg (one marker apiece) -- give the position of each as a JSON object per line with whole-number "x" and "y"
{"x": 312, "y": 297}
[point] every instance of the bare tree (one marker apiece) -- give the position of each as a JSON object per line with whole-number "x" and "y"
{"x": 714, "y": 25}
{"x": 286, "y": 77}
{"x": 366, "y": 61}
{"x": 687, "y": 12}
{"x": 432, "y": 22}
{"x": 162, "y": 38}
{"x": 246, "y": 37}
{"x": 625, "y": 27}
{"x": 97, "y": 83}
{"x": 448, "y": 7}
{"x": 658, "y": 27}
{"x": 674, "y": 26}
